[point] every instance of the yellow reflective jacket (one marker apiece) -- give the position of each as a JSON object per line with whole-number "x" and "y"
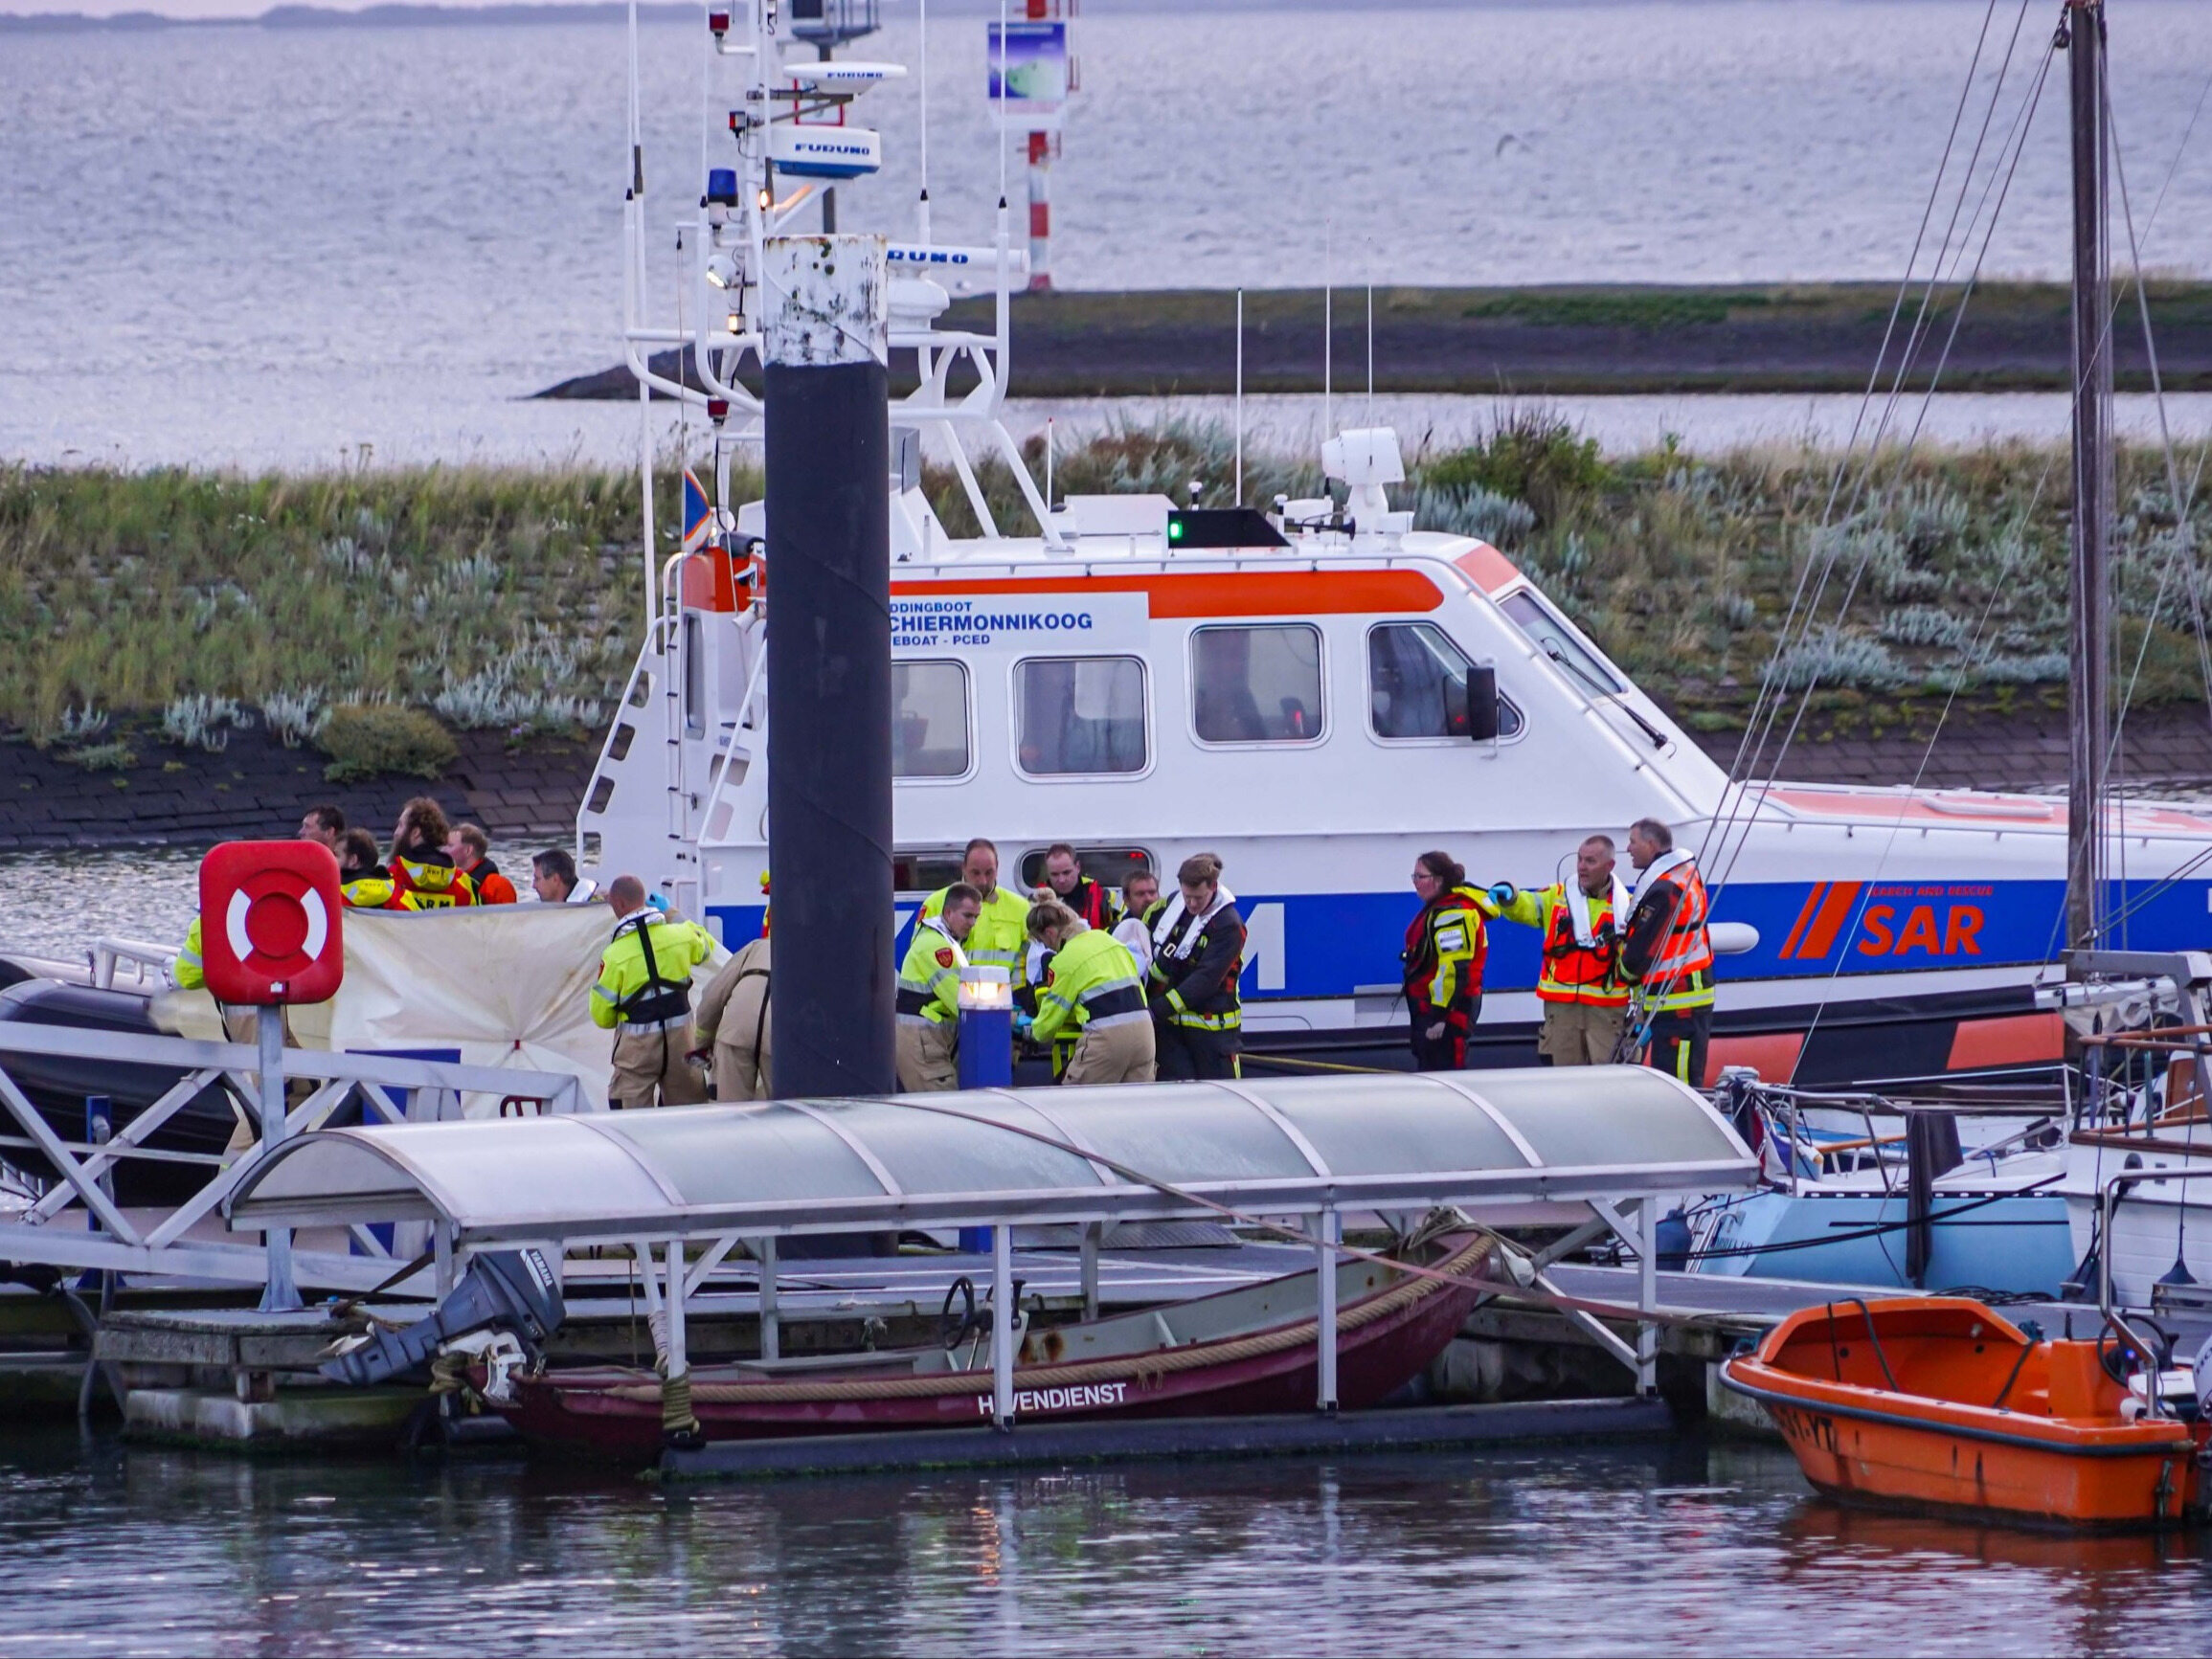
{"x": 189, "y": 972}
{"x": 929, "y": 980}
{"x": 1092, "y": 980}
{"x": 630, "y": 992}
{"x": 1001, "y": 935}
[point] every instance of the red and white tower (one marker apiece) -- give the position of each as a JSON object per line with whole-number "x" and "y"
{"x": 1033, "y": 76}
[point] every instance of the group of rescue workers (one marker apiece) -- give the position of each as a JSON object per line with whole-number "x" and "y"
{"x": 1116, "y": 986}
{"x": 1626, "y": 972}
{"x": 433, "y": 865}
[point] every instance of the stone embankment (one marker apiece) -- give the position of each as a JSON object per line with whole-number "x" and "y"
{"x": 256, "y": 787}
{"x": 1551, "y": 340}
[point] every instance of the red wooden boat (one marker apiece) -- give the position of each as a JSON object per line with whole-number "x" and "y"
{"x": 1246, "y": 1351}
{"x": 1938, "y": 1402}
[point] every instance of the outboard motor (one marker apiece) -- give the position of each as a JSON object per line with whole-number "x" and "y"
{"x": 513, "y": 1290}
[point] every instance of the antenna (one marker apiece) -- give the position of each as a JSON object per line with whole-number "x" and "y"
{"x": 922, "y": 72}
{"x": 1328, "y": 329}
{"x": 1370, "y": 353}
{"x": 1047, "y": 464}
{"x": 1239, "y": 397}
{"x": 1002, "y": 80}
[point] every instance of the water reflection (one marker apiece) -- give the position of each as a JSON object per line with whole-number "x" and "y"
{"x": 1668, "y": 1548}
{"x": 54, "y": 904}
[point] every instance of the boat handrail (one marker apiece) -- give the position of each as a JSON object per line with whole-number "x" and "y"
{"x": 2107, "y": 1201}
{"x": 108, "y": 952}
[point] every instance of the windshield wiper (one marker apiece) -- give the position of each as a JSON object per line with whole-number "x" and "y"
{"x": 1613, "y": 696}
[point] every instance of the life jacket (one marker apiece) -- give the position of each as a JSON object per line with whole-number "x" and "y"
{"x": 1184, "y": 942}
{"x": 1574, "y": 971}
{"x": 428, "y": 883}
{"x": 1446, "y": 947}
{"x": 1682, "y": 974}
{"x": 489, "y": 886}
{"x": 368, "y": 889}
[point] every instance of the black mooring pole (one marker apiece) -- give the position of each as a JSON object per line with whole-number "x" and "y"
{"x": 829, "y": 595}
{"x": 2090, "y": 669}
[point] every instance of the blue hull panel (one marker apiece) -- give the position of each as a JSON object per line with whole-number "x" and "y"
{"x": 2015, "y": 1243}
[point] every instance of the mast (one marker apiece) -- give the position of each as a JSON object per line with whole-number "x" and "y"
{"x": 2088, "y": 713}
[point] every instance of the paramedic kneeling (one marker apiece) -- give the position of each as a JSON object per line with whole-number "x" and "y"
{"x": 1197, "y": 957}
{"x": 644, "y": 989}
{"x": 928, "y": 993}
{"x": 1093, "y": 989}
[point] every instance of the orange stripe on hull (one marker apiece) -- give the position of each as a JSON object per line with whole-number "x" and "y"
{"x": 1835, "y": 911}
{"x": 2011, "y": 1040}
{"x": 1804, "y": 916}
{"x": 1225, "y": 593}
{"x": 1487, "y": 567}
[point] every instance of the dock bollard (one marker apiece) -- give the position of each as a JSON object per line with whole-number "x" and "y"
{"x": 987, "y": 1050}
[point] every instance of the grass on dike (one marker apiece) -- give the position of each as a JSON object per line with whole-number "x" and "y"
{"x": 509, "y": 597}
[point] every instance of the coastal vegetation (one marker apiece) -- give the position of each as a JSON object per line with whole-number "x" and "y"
{"x": 363, "y": 613}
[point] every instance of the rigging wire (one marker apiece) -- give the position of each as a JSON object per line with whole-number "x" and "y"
{"x": 1994, "y": 193}
{"x": 1749, "y": 756}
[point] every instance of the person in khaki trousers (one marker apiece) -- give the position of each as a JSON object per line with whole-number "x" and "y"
{"x": 733, "y": 1023}
{"x": 929, "y": 993}
{"x": 1092, "y": 986}
{"x": 643, "y": 994}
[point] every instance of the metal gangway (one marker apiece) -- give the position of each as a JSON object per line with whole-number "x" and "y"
{"x": 68, "y": 1215}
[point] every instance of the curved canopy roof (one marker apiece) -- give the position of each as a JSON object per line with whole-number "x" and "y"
{"x": 1021, "y": 1154}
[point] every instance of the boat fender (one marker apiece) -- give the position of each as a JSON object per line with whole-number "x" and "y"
{"x": 2200, "y": 1378}
{"x": 511, "y": 1291}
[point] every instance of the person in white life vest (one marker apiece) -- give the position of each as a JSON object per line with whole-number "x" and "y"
{"x": 1667, "y": 953}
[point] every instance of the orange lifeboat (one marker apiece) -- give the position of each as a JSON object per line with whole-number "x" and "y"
{"x": 1938, "y": 1402}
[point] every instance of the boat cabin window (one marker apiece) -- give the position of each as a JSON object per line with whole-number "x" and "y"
{"x": 925, "y": 869}
{"x": 1257, "y": 685}
{"x": 1418, "y": 685}
{"x": 929, "y": 721}
{"x": 1108, "y": 867}
{"x": 1557, "y": 642}
{"x": 1079, "y": 715}
{"x": 694, "y": 677}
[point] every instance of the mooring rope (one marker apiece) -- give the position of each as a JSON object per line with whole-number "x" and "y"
{"x": 1145, "y": 1369}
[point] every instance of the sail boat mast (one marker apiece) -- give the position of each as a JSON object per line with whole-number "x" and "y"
{"x": 2088, "y": 710}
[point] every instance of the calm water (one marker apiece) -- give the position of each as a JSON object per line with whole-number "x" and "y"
{"x": 1662, "y": 1549}
{"x": 297, "y": 247}
{"x": 55, "y": 904}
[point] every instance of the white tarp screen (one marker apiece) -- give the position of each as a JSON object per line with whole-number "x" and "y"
{"x": 507, "y": 985}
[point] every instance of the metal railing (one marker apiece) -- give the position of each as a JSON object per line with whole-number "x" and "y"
{"x": 76, "y": 1223}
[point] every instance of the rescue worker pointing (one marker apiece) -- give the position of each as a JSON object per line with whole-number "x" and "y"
{"x": 928, "y": 993}
{"x": 1667, "y": 954}
{"x": 1197, "y": 957}
{"x": 645, "y": 990}
{"x": 1585, "y": 997}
